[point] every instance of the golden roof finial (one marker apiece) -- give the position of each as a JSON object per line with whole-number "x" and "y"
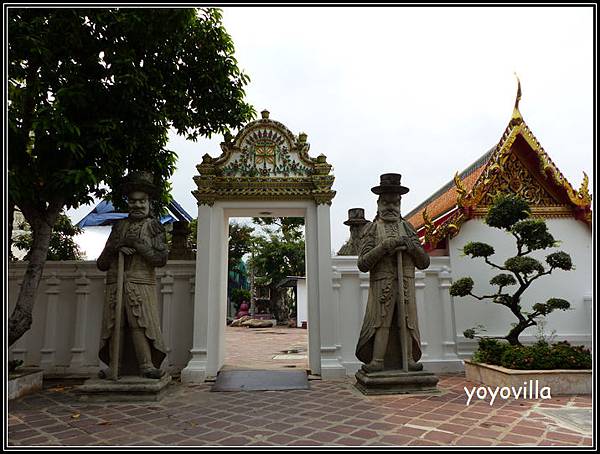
{"x": 516, "y": 115}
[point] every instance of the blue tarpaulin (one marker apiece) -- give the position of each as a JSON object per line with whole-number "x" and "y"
{"x": 105, "y": 214}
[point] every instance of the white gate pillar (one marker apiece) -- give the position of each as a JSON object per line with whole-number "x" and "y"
{"x": 331, "y": 366}
{"x": 210, "y": 260}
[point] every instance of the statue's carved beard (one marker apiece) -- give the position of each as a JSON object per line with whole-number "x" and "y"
{"x": 136, "y": 215}
{"x": 390, "y": 215}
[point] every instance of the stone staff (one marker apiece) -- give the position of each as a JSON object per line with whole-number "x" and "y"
{"x": 114, "y": 357}
{"x": 402, "y": 309}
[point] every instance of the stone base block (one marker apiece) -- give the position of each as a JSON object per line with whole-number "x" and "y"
{"x": 24, "y": 381}
{"x": 396, "y": 382}
{"x": 560, "y": 382}
{"x": 125, "y": 389}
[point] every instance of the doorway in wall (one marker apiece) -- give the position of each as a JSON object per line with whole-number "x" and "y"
{"x": 267, "y": 310}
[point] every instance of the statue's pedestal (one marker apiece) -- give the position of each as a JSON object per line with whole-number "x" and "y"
{"x": 125, "y": 389}
{"x": 395, "y": 382}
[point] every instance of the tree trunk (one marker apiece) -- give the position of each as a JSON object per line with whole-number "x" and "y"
{"x": 275, "y": 303}
{"x": 21, "y": 317}
{"x": 513, "y": 335}
{"x": 11, "y": 220}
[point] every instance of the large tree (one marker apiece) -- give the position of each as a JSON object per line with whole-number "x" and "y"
{"x": 92, "y": 95}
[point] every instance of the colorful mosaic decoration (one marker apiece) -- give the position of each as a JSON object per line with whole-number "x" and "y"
{"x": 265, "y": 161}
{"x": 265, "y": 152}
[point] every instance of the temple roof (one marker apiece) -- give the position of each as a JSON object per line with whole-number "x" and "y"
{"x": 444, "y": 199}
{"x": 516, "y": 164}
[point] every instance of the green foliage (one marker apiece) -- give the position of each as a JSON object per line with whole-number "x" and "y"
{"x": 551, "y": 305}
{"x": 539, "y": 356}
{"x": 506, "y": 211}
{"x": 62, "y": 245}
{"x": 503, "y": 280}
{"x": 490, "y": 351}
{"x": 240, "y": 243}
{"x": 476, "y": 249}
{"x": 544, "y": 356}
{"x": 560, "y": 260}
{"x": 13, "y": 364}
{"x": 462, "y": 287}
{"x": 279, "y": 252}
{"x": 193, "y": 233}
{"x": 289, "y": 227}
{"x": 93, "y": 93}
{"x": 523, "y": 265}
{"x": 534, "y": 234}
{"x": 469, "y": 333}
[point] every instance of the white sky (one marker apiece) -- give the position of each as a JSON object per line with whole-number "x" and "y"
{"x": 421, "y": 91}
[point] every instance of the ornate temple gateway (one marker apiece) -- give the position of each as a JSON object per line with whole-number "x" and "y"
{"x": 264, "y": 171}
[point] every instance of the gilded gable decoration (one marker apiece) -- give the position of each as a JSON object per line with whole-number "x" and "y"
{"x": 503, "y": 170}
{"x": 265, "y": 161}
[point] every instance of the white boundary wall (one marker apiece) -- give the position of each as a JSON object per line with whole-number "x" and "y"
{"x": 64, "y": 337}
{"x": 67, "y": 316}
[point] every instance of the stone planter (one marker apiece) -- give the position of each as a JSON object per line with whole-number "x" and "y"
{"x": 24, "y": 381}
{"x": 560, "y": 381}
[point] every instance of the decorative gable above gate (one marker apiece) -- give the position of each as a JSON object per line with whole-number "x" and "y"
{"x": 265, "y": 161}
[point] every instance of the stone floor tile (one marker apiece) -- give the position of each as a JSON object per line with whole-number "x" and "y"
{"x": 397, "y": 440}
{"x": 349, "y": 441}
{"x": 324, "y": 436}
{"x": 364, "y": 434}
{"x": 472, "y": 441}
{"x": 331, "y": 413}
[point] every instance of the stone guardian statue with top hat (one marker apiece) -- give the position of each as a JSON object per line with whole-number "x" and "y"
{"x": 131, "y": 340}
{"x": 356, "y": 221}
{"x": 389, "y": 344}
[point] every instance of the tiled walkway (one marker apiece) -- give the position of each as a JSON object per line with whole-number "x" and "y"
{"x": 256, "y": 347}
{"x": 331, "y": 413}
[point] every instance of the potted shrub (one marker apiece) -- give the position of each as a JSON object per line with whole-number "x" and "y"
{"x": 502, "y": 361}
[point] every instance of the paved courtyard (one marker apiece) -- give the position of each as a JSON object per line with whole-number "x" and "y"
{"x": 330, "y": 413}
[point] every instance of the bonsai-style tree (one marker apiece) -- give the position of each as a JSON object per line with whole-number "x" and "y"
{"x": 512, "y": 213}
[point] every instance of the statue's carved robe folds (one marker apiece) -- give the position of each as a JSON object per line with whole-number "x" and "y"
{"x": 139, "y": 288}
{"x": 382, "y": 306}
{"x": 350, "y": 247}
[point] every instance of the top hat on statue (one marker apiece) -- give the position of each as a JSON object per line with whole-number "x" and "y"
{"x": 389, "y": 183}
{"x": 139, "y": 181}
{"x": 356, "y": 216}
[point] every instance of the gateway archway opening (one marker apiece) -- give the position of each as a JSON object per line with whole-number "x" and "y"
{"x": 267, "y": 310}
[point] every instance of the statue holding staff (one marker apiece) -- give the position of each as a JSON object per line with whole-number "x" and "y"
{"x": 390, "y": 250}
{"x": 135, "y": 247}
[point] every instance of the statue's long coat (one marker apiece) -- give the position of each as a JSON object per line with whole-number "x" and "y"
{"x": 383, "y": 289}
{"x": 139, "y": 284}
